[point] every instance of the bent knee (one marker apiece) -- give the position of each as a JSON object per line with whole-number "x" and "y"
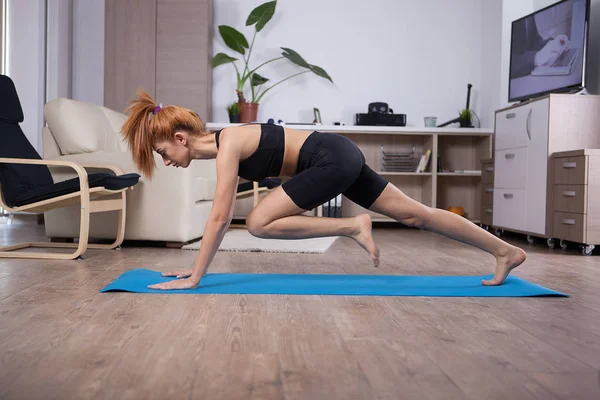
{"x": 419, "y": 218}
{"x": 256, "y": 225}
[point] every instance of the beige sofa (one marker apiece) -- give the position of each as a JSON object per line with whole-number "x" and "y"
{"x": 172, "y": 207}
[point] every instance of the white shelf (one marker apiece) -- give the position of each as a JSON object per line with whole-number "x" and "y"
{"x": 374, "y": 130}
{"x": 459, "y": 174}
{"x": 389, "y": 173}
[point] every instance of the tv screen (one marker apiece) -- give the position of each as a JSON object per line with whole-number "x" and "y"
{"x": 548, "y": 50}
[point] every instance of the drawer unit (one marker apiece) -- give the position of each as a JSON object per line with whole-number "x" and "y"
{"x": 539, "y": 143}
{"x": 576, "y": 189}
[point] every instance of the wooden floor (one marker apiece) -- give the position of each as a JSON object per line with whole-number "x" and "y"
{"x": 62, "y": 339}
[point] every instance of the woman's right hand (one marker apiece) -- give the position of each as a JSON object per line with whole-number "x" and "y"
{"x": 182, "y": 273}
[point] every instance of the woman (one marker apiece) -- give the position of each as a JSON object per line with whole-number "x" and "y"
{"x": 321, "y": 165}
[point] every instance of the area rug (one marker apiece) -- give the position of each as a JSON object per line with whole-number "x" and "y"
{"x": 242, "y": 240}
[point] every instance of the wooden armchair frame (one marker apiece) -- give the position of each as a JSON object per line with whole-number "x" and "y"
{"x": 86, "y": 197}
{"x": 255, "y": 191}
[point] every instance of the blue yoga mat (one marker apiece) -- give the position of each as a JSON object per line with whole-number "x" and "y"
{"x": 137, "y": 280}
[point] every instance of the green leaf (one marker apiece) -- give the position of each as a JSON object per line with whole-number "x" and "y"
{"x": 261, "y": 15}
{"x": 294, "y": 57}
{"x": 258, "y": 80}
{"x": 233, "y": 38}
{"x": 221, "y": 59}
{"x": 321, "y": 72}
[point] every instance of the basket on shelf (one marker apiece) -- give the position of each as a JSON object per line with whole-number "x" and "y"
{"x": 398, "y": 161}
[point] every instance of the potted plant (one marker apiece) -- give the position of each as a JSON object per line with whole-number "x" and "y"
{"x": 237, "y": 42}
{"x": 234, "y": 113}
{"x": 465, "y": 118}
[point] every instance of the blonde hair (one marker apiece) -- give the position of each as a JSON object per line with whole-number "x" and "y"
{"x": 148, "y": 123}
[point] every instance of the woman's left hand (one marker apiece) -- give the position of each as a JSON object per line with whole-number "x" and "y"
{"x": 175, "y": 284}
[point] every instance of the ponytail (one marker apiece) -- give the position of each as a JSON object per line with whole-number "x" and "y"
{"x": 148, "y": 123}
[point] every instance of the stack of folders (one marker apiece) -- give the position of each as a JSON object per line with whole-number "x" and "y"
{"x": 333, "y": 208}
{"x": 397, "y": 161}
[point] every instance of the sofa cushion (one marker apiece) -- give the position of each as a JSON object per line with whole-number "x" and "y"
{"x": 80, "y": 127}
{"x": 116, "y": 120}
{"x": 204, "y": 189}
{"x": 106, "y": 180}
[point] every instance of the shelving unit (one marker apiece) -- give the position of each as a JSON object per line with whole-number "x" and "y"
{"x": 460, "y": 149}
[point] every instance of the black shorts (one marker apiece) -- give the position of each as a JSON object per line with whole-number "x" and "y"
{"x": 330, "y": 164}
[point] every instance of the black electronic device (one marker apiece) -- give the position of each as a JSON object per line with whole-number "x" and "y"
{"x": 379, "y": 114}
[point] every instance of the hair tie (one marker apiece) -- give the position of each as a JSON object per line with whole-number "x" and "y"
{"x": 158, "y": 108}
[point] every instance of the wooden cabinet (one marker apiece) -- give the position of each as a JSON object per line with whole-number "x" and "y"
{"x": 162, "y": 46}
{"x": 526, "y": 136}
{"x": 576, "y": 189}
{"x": 521, "y": 167}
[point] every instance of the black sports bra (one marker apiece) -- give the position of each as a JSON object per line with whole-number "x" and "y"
{"x": 267, "y": 160}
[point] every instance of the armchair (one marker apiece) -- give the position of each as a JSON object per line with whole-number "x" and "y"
{"x": 26, "y": 184}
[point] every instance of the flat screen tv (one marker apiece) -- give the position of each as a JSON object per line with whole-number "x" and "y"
{"x": 548, "y": 50}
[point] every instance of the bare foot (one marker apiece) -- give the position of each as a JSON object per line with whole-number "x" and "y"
{"x": 364, "y": 237}
{"x": 506, "y": 262}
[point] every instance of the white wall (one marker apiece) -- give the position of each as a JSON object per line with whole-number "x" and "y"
{"x": 26, "y": 62}
{"x": 88, "y": 51}
{"x": 416, "y": 56}
{"x": 491, "y": 60}
{"x": 58, "y": 50}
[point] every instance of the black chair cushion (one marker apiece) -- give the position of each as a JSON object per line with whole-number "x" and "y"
{"x": 269, "y": 183}
{"x": 107, "y": 180}
{"x": 10, "y": 106}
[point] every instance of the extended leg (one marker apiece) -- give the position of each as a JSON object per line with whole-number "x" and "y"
{"x": 395, "y": 204}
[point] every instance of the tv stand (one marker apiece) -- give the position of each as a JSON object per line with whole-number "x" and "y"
{"x": 526, "y": 138}
{"x": 580, "y": 91}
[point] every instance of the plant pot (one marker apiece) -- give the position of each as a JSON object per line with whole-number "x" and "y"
{"x": 465, "y": 123}
{"x": 248, "y": 112}
{"x": 234, "y": 118}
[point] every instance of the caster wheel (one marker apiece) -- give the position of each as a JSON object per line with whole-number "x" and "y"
{"x": 530, "y": 239}
{"x": 587, "y": 250}
{"x": 563, "y": 244}
{"x": 550, "y": 243}
{"x": 497, "y": 232}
